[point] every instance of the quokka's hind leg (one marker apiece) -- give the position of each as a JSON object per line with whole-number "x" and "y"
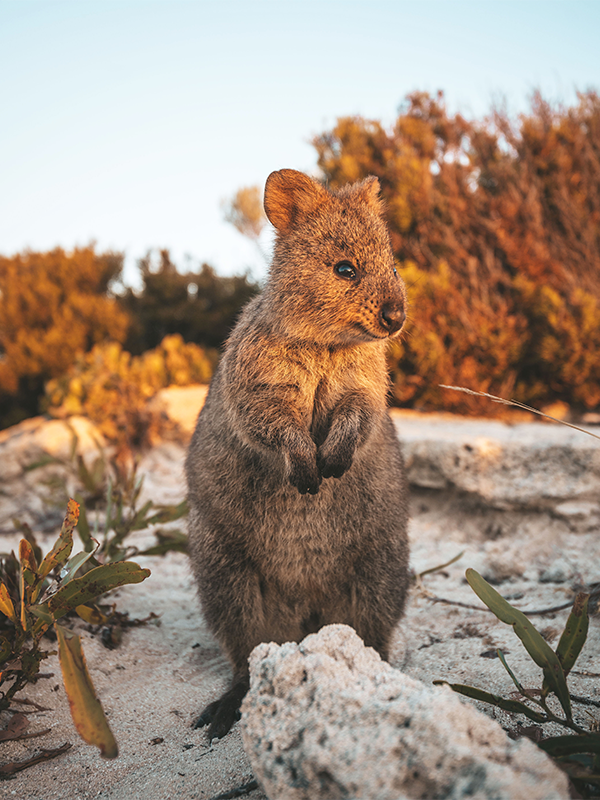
{"x": 233, "y": 608}
{"x": 378, "y": 603}
{"x": 221, "y": 714}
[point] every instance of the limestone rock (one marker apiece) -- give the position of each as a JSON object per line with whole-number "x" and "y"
{"x": 326, "y": 718}
{"x": 181, "y": 405}
{"x": 37, "y": 468}
{"x": 525, "y": 466}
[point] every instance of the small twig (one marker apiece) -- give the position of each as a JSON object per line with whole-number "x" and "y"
{"x": 534, "y": 612}
{"x": 240, "y": 791}
{"x": 31, "y": 735}
{"x": 440, "y": 566}
{"x": 585, "y": 701}
{"x": 25, "y": 702}
{"x": 205, "y": 753}
{"x": 45, "y": 755}
{"x": 457, "y": 603}
{"x": 542, "y": 611}
{"x": 585, "y": 674}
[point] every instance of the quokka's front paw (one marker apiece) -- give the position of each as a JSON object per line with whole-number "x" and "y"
{"x": 334, "y": 461}
{"x": 305, "y": 475}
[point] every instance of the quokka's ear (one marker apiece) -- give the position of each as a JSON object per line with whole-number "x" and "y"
{"x": 368, "y": 190}
{"x": 290, "y": 196}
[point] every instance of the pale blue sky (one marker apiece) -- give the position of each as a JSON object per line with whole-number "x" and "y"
{"x": 127, "y": 121}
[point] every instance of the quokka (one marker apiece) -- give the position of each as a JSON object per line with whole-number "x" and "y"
{"x": 297, "y": 490}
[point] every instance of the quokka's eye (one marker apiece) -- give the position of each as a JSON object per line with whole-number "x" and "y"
{"x": 395, "y": 272}
{"x": 345, "y": 270}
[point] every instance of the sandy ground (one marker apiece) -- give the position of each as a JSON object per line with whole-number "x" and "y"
{"x": 162, "y": 675}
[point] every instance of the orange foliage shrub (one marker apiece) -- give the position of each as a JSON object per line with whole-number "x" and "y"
{"x": 53, "y": 306}
{"x": 496, "y": 226}
{"x": 112, "y": 387}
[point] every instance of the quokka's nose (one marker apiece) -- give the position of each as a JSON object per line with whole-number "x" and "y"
{"x": 392, "y": 317}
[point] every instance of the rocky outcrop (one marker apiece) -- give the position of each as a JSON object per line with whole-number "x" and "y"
{"x": 326, "y": 718}
{"x": 524, "y": 467}
{"x": 40, "y": 457}
{"x": 530, "y": 466}
{"x": 38, "y": 468}
{"x": 181, "y": 405}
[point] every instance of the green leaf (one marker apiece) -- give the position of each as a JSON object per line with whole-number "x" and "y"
{"x": 70, "y": 569}
{"x": 571, "y": 744}
{"x": 42, "y": 613}
{"x": 64, "y": 544}
{"x": 93, "y": 584}
{"x": 575, "y": 633}
{"x": 513, "y": 706}
{"x": 139, "y": 522}
{"x": 168, "y": 541}
{"x": 171, "y": 513}
{"x": 86, "y": 710}
{"x": 535, "y": 644}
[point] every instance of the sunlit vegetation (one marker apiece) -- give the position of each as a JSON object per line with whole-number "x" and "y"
{"x": 53, "y": 306}
{"x": 112, "y": 388}
{"x": 53, "y": 597}
{"x": 496, "y": 226}
{"x": 65, "y": 324}
{"x": 201, "y": 306}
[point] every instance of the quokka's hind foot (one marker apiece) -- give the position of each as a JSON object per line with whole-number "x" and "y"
{"x": 221, "y": 714}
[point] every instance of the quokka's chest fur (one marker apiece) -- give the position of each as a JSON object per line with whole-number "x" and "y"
{"x": 310, "y": 379}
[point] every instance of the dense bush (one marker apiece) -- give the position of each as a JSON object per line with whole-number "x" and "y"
{"x": 53, "y": 306}
{"x": 496, "y": 225}
{"x": 200, "y": 306}
{"x": 111, "y": 387}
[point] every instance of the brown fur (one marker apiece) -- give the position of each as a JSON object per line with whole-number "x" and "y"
{"x": 296, "y": 481}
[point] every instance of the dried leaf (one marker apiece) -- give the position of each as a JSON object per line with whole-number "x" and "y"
{"x": 86, "y": 710}
{"x": 6, "y": 604}
{"x": 18, "y": 724}
{"x": 64, "y": 544}
{"x": 93, "y": 616}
